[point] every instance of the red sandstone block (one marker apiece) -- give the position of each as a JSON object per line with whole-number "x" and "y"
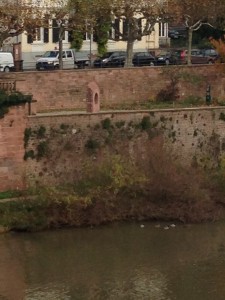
{"x": 3, "y": 172}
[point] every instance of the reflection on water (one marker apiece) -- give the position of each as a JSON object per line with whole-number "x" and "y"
{"x": 115, "y": 262}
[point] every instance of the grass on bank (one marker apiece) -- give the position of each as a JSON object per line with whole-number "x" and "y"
{"x": 116, "y": 191}
{"x": 189, "y": 102}
{"x": 148, "y": 105}
{"x": 10, "y": 194}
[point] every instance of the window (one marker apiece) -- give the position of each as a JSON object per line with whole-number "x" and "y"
{"x": 117, "y": 29}
{"x": 112, "y": 33}
{"x": 88, "y": 32}
{"x": 55, "y": 33}
{"x": 68, "y": 53}
{"x": 125, "y": 28}
{"x": 38, "y": 35}
{"x": 51, "y": 54}
{"x": 86, "y": 36}
{"x": 163, "y": 29}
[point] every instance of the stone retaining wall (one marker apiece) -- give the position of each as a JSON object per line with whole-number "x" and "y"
{"x": 67, "y": 89}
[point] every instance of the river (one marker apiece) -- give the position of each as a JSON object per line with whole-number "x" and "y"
{"x": 120, "y": 261}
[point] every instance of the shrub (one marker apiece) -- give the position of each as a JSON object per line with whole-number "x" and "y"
{"x": 42, "y": 149}
{"x": 169, "y": 94}
{"x": 29, "y": 154}
{"x": 92, "y": 144}
{"x": 27, "y": 135}
{"x": 106, "y": 124}
{"x": 15, "y": 98}
{"x": 222, "y": 116}
{"x": 145, "y": 123}
{"x": 41, "y": 132}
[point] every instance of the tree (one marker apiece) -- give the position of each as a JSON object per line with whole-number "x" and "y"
{"x": 17, "y": 16}
{"x": 194, "y": 14}
{"x": 101, "y": 30}
{"x": 139, "y": 18}
{"x": 63, "y": 15}
{"x": 94, "y": 18}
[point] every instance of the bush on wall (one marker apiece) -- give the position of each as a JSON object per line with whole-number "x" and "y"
{"x": 11, "y": 99}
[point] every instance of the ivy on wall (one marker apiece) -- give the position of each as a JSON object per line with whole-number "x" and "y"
{"x": 77, "y": 41}
{"x": 102, "y": 34}
{"x": 11, "y": 99}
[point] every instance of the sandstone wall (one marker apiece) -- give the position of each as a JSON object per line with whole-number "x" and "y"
{"x": 67, "y": 89}
{"x": 192, "y": 136}
{"x": 12, "y": 126}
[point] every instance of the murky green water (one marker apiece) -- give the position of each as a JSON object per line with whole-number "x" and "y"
{"x": 115, "y": 262}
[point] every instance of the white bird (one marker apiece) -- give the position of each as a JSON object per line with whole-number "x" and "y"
{"x": 166, "y": 227}
{"x": 172, "y": 225}
{"x": 142, "y": 225}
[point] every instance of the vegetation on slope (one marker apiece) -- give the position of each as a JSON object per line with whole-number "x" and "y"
{"x": 116, "y": 191}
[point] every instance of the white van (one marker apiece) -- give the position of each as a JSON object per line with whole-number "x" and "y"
{"x": 50, "y": 60}
{"x": 6, "y": 62}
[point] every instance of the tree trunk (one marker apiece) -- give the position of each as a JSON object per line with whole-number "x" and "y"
{"x": 190, "y": 33}
{"x": 61, "y": 32}
{"x": 130, "y": 45}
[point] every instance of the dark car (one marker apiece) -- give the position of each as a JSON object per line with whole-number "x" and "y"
{"x": 210, "y": 52}
{"x": 117, "y": 61}
{"x": 143, "y": 59}
{"x": 179, "y": 56}
{"x": 167, "y": 58}
{"x": 199, "y": 56}
{"x": 110, "y": 59}
{"x": 173, "y": 34}
{"x": 177, "y": 32}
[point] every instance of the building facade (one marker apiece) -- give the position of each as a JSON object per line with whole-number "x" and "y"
{"x": 31, "y": 47}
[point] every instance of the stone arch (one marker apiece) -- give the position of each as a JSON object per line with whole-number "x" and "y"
{"x": 93, "y": 97}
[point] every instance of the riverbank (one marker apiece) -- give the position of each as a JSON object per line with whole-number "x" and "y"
{"x": 119, "y": 191}
{"x": 54, "y": 209}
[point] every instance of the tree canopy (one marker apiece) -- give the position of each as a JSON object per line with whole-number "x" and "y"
{"x": 139, "y": 18}
{"x": 17, "y": 17}
{"x": 128, "y": 20}
{"x": 194, "y": 14}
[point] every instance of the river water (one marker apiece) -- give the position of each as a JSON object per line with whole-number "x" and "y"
{"x": 120, "y": 261}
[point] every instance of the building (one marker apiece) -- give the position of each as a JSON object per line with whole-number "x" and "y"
{"x": 28, "y": 48}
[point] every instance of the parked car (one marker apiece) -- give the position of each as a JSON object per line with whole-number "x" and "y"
{"x": 82, "y": 60}
{"x": 210, "y": 52}
{"x": 173, "y": 34}
{"x": 199, "y": 56}
{"x": 177, "y": 32}
{"x": 6, "y": 62}
{"x": 166, "y": 58}
{"x": 117, "y": 61}
{"x": 50, "y": 60}
{"x": 178, "y": 56}
{"x": 110, "y": 59}
{"x": 143, "y": 59}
